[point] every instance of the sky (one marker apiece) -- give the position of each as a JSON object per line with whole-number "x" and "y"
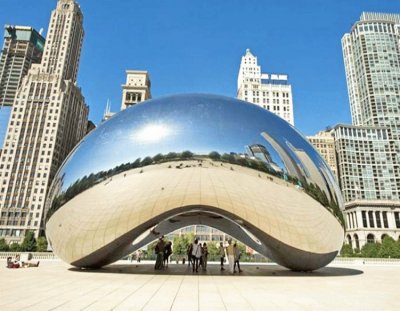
{"x": 193, "y": 46}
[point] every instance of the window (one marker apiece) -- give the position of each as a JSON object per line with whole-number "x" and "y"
{"x": 364, "y": 219}
{"x": 378, "y": 219}
{"x": 385, "y": 220}
{"x": 371, "y": 219}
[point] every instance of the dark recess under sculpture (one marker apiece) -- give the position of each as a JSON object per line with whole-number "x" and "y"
{"x": 195, "y": 159}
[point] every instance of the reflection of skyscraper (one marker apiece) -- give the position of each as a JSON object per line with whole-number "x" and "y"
{"x": 369, "y": 150}
{"x": 49, "y": 117}
{"x": 261, "y": 153}
{"x": 23, "y": 46}
{"x": 269, "y": 91}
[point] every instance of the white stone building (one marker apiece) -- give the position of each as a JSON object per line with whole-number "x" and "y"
{"x": 269, "y": 91}
{"x": 48, "y": 118}
{"x": 324, "y": 142}
{"x": 136, "y": 89}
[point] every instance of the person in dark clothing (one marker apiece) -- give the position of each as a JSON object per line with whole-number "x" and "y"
{"x": 167, "y": 253}
{"x": 189, "y": 254}
{"x": 159, "y": 251}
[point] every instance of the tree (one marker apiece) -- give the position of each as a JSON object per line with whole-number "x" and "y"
{"x": 4, "y": 246}
{"x": 41, "y": 244}
{"x": 346, "y": 251}
{"x": 181, "y": 243}
{"x": 370, "y": 250}
{"x": 186, "y": 154}
{"x": 29, "y": 243}
{"x": 15, "y": 247}
{"x": 389, "y": 248}
{"x": 214, "y": 155}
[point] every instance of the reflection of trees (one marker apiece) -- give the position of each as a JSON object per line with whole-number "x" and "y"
{"x": 315, "y": 192}
{"x": 91, "y": 180}
{"x": 87, "y": 182}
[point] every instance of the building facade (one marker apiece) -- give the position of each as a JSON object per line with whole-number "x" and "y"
{"x": 48, "y": 118}
{"x": 22, "y": 47}
{"x": 324, "y": 142}
{"x": 269, "y": 91}
{"x": 368, "y": 152}
{"x": 136, "y": 89}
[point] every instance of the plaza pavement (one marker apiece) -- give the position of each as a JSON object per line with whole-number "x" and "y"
{"x": 55, "y": 285}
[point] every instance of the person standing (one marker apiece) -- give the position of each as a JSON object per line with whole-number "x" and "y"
{"x": 167, "y": 252}
{"x": 205, "y": 256}
{"x": 159, "y": 250}
{"x": 222, "y": 255}
{"x": 231, "y": 255}
{"x": 189, "y": 254}
{"x": 196, "y": 254}
{"x": 237, "y": 257}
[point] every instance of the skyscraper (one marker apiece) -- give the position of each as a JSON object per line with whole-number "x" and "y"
{"x": 22, "y": 47}
{"x": 372, "y": 62}
{"x": 48, "y": 118}
{"x": 369, "y": 151}
{"x": 269, "y": 91}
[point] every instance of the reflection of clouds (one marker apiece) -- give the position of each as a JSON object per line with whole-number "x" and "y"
{"x": 151, "y": 133}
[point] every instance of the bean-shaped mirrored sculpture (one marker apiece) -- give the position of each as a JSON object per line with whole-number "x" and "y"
{"x": 192, "y": 159}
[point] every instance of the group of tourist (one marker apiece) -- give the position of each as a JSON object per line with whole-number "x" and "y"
{"x": 18, "y": 263}
{"x": 162, "y": 250}
{"x": 233, "y": 253}
{"x": 198, "y": 255}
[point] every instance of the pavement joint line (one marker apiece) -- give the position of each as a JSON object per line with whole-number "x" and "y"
{"x": 81, "y": 294}
{"x": 176, "y": 294}
{"x": 155, "y": 292}
{"x": 130, "y": 294}
{"x": 109, "y": 293}
{"x": 219, "y": 293}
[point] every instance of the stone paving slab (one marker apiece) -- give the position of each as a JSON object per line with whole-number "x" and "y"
{"x": 131, "y": 286}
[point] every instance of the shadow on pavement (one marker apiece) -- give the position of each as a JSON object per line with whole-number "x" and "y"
{"x": 214, "y": 270}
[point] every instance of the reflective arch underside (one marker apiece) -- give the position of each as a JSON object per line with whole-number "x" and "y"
{"x": 291, "y": 228}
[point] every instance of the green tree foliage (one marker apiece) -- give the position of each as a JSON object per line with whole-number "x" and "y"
{"x": 213, "y": 251}
{"x": 29, "y": 243}
{"x": 41, "y": 244}
{"x": 370, "y": 250}
{"x": 346, "y": 251}
{"x": 187, "y": 154}
{"x": 180, "y": 244}
{"x": 15, "y": 247}
{"x": 214, "y": 155}
{"x": 4, "y": 246}
{"x": 389, "y": 248}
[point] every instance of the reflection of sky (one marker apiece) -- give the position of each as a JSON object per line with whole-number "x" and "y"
{"x": 199, "y": 123}
{"x": 5, "y": 112}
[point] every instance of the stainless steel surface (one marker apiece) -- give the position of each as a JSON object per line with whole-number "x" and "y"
{"x": 189, "y": 159}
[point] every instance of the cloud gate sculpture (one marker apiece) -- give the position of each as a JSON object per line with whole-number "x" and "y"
{"x": 195, "y": 159}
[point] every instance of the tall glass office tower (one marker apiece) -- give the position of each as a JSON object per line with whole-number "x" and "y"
{"x": 369, "y": 150}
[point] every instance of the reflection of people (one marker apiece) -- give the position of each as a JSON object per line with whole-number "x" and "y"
{"x": 222, "y": 255}
{"x": 231, "y": 255}
{"x": 159, "y": 250}
{"x": 189, "y": 254}
{"x": 237, "y": 258}
{"x": 204, "y": 256}
{"x": 167, "y": 252}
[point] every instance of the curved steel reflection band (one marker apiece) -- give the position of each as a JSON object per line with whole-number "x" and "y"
{"x": 195, "y": 159}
